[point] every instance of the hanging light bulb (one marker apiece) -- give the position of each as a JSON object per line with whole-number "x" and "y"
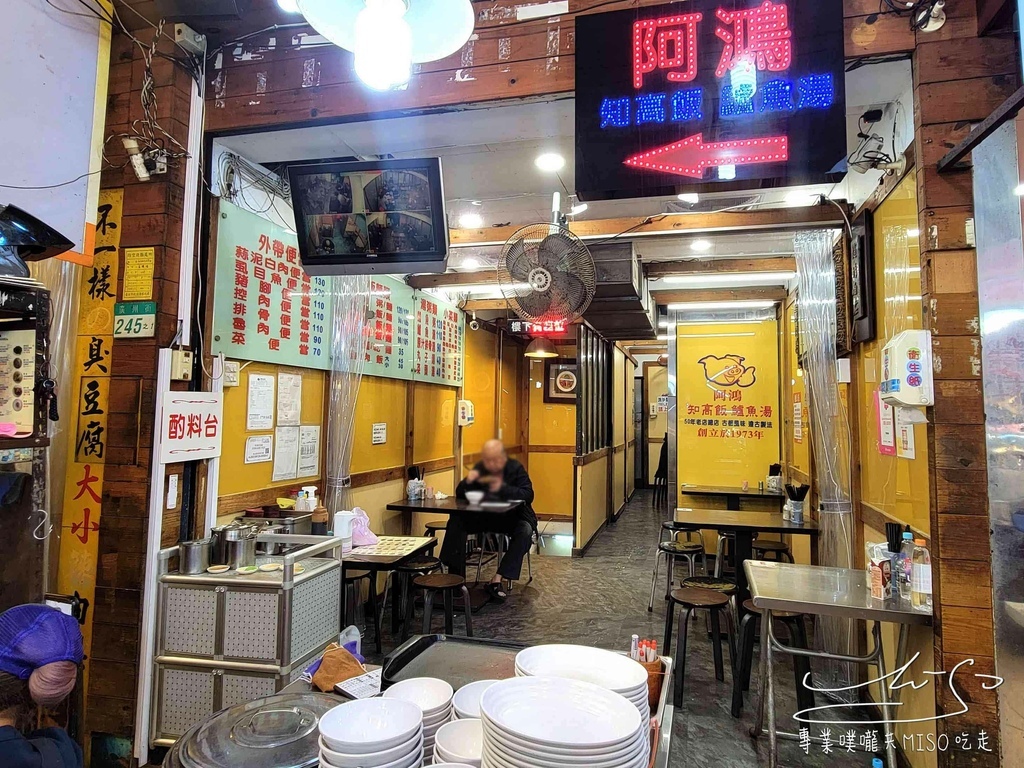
{"x": 383, "y": 45}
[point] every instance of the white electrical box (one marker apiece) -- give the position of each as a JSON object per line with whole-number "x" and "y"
{"x": 467, "y": 414}
{"x": 907, "y": 379}
{"x": 18, "y": 380}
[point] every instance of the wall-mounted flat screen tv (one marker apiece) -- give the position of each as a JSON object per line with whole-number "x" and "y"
{"x": 383, "y": 216}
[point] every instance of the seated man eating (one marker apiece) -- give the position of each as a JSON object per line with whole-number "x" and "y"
{"x": 501, "y": 479}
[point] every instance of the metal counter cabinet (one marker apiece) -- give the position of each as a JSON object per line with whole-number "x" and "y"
{"x": 226, "y": 639}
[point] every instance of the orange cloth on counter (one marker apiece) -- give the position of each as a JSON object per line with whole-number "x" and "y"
{"x": 338, "y": 665}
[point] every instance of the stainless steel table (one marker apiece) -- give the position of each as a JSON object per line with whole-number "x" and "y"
{"x": 822, "y": 591}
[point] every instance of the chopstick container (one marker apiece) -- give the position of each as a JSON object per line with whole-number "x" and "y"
{"x": 655, "y": 679}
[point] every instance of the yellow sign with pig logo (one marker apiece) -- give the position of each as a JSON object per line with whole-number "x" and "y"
{"x": 727, "y": 387}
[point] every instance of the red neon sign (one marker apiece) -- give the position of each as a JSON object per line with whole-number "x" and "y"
{"x": 759, "y": 34}
{"x": 691, "y": 156}
{"x": 666, "y": 43}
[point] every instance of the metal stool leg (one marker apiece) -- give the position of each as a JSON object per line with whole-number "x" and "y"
{"x": 449, "y": 613}
{"x": 469, "y": 611}
{"x": 719, "y": 557}
{"x": 684, "y": 620}
{"x": 670, "y": 561}
{"x": 654, "y": 579}
{"x": 428, "y": 610}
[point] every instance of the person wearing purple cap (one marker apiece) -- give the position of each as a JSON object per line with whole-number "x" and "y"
{"x": 40, "y": 651}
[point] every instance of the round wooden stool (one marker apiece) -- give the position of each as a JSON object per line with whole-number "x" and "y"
{"x": 403, "y": 574}
{"x": 669, "y": 551}
{"x": 691, "y": 599}
{"x": 447, "y": 584}
{"x": 794, "y": 623}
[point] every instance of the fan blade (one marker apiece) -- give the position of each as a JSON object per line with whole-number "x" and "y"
{"x": 552, "y": 251}
{"x": 517, "y": 262}
{"x": 534, "y": 305}
{"x": 568, "y": 294}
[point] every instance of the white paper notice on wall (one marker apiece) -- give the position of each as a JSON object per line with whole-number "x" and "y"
{"x": 259, "y": 449}
{"x": 172, "y": 491}
{"x": 286, "y": 453}
{"x": 380, "y": 433}
{"x": 259, "y": 414}
{"x": 905, "y": 448}
{"x": 309, "y": 451}
{"x": 289, "y": 399}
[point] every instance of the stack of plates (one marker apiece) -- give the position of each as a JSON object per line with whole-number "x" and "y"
{"x": 460, "y": 742}
{"x": 433, "y": 697}
{"x": 466, "y": 704}
{"x": 377, "y": 733}
{"x": 547, "y": 722}
{"x": 607, "y": 669}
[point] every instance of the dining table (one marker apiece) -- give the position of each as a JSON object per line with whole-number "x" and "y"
{"x": 732, "y": 495}
{"x": 826, "y": 591}
{"x": 451, "y": 505}
{"x": 745, "y": 526}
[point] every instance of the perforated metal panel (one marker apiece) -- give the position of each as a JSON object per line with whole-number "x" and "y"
{"x": 239, "y": 689}
{"x": 250, "y": 625}
{"x": 186, "y": 697}
{"x": 190, "y": 621}
{"x": 316, "y": 613}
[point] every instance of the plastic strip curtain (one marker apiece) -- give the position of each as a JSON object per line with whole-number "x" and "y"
{"x": 830, "y": 433}
{"x": 348, "y": 353}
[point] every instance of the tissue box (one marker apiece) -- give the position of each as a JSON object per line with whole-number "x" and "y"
{"x": 880, "y": 570}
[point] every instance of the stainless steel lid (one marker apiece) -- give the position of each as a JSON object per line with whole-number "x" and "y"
{"x": 275, "y": 732}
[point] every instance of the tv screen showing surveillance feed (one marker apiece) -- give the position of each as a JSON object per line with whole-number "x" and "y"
{"x": 366, "y": 212}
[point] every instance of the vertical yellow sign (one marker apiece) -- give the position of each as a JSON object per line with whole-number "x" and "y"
{"x": 83, "y": 485}
{"x": 727, "y": 385}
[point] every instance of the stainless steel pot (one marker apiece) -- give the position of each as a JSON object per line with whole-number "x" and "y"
{"x": 267, "y": 547}
{"x": 234, "y": 545}
{"x": 194, "y": 556}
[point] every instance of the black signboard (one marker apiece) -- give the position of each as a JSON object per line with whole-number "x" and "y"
{"x": 709, "y": 95}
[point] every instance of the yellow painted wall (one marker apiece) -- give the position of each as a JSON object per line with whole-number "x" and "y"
{"x": 380, "y": 401}
{"x": 478, "y": 387}
{"x": 433, "y": 422}
{"x": 895, "y": 485}
{"x": 592, "y": 492}
{"x": 551, "y": 424}
{"x": 235, "y": 475}
{"x": 657, "y": 385}
{"x": 508, "y": 417}
{"x": 630, "y": 375}
{"x": 707, "y": 382}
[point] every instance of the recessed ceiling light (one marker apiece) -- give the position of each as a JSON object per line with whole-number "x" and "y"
{"x": 700, "y": 245}
{"x": 707, "y": 305}
{"x": 733, "y": 278}
{"x": 690, "y": 197}
{"x": 800, "y": 197}
{"x": 551, "y": 162}
{"x": 470, "y": 263}
{"x": 471, "y": 221}
{"x": 288, "y": 6}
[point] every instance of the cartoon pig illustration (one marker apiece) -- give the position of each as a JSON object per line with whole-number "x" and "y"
{"x": 728, "y": 371}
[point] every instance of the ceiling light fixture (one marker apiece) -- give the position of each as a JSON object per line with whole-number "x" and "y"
{"x": 288, "y": 6}
{"x": 700, "y": 245}
{"x": 550, "y": 162}
{"x": 471, "y": 221}
{"x": 389, "y": 36}
{"x": 470, "y": 263}
{"x": 732, "y": 278}
{"x": 541, "y": 348}
{"x": 690, "y": 197}
{"x": 690, "y": 306}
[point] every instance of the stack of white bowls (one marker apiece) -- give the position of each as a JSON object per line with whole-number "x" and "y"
{"x": 549, "y": 722}
{"x": 466, "y": 703}
{"x": 433, "y": 697}
{"x": 372, "y": 733}
{"x": 460, "y": 742}
{"x": 607, "y": 669}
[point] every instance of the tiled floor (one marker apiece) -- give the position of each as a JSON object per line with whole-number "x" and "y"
{"x": 601, "y": 599}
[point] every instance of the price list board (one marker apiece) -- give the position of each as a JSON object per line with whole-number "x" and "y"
{"x": 265, "y": 306}
{"x": 440, "y": 329}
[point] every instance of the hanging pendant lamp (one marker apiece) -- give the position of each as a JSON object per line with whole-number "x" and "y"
{"x": 541, "y": 348}
{"x": 389, "y": 36}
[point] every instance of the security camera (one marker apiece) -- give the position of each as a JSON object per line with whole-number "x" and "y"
{"x": 474, "y": 325}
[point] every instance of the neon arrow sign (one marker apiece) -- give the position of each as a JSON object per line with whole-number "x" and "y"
{"x": 691, "y": 156}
